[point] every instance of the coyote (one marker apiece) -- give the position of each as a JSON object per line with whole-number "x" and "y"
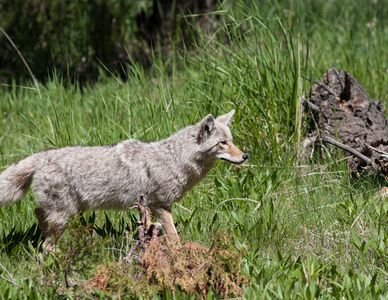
{"x": 77, "y": 178}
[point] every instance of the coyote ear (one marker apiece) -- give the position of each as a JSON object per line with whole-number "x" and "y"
{"x": 205, "y": 127}
{"x": 226, "y": 119}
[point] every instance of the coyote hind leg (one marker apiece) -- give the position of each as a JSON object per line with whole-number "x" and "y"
{"x": 51, "y": 230}
{"x": 43, "y": 224}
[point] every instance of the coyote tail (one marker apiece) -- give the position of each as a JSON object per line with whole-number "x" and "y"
{"x": 16, "y": 179}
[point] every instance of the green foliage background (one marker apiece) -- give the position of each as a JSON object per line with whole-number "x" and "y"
{"x": 308, "y": 227}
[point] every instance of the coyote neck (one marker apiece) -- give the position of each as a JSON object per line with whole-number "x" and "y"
{"x": 187, "y": 159}
{"x": 193, "y": 168}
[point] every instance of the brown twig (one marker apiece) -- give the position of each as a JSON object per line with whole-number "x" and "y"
{"x": 312, "y": 107}
{"x": 385, "y": 154}
{"x": 320, "y": 83}
{"x": 10, "y": 276}
{"x": 352, "y": 151}
{"x": 147, "y": 231}
{"x": 131, "y": 251}
{"x": 339, "y": 78}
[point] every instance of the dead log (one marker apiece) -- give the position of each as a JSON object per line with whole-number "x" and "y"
{"x": 340, "y": 108}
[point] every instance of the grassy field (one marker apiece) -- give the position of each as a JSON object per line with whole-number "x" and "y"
{"x": 307, "y": 227}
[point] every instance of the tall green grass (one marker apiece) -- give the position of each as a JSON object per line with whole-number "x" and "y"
{"x": 307, "y": 229}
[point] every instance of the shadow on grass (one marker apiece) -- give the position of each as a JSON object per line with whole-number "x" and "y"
{"x": 12, "y": 241}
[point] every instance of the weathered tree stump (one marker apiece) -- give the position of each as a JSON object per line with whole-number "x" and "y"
{"x": 341, "y": 109}
{"x": 147, "y": 231}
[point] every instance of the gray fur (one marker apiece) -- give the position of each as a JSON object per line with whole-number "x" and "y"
{"x": 73, "y": 179}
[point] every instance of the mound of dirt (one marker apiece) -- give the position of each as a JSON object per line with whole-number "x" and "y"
{"x": 163, "y": 264}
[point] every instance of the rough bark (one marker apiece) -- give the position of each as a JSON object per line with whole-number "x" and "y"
{"x": 341, "y": 109}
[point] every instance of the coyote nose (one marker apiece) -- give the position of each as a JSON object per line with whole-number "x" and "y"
{"x": 245, "y": 156}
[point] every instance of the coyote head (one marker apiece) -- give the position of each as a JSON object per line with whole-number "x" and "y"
{"x": 215, "y": 138}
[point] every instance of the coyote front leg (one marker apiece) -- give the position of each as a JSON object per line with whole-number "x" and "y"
{"x": 165, "y": 217}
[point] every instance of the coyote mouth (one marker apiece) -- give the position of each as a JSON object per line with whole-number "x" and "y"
{"x": 232, "y": 162}
{"x": 236, "y": 162}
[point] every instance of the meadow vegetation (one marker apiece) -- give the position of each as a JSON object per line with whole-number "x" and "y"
{"x": 307, "y": 228}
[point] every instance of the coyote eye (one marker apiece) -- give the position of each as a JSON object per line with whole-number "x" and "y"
{"x": 224, "y": 143}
